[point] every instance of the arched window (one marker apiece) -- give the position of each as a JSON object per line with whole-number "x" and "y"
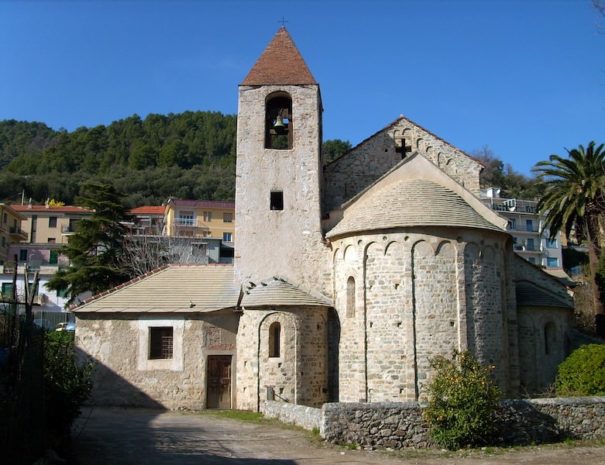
{"x": 549, "y": 338}
{"x": 274, "y": 339}
{"x": 351, "y": 297}
{"x": 278, "y": 121}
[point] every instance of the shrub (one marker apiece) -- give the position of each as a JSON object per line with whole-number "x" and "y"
{"x": 463, "y": 402}
{"x": 67, "y": 384}
{"x": 583, "y": 372}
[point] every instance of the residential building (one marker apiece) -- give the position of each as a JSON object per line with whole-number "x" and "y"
{"x": 46, "y": 224}
{"x": 200, "y": 218}
{"x": 530, "y": 236}
{"x": 10, "y": 230}
{"x": 147, "y": 220}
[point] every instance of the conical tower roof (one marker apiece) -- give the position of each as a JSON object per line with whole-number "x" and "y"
{"x": 280, "y": 64}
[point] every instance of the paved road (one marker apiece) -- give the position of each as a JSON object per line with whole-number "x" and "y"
{"x": 145, "y": 437}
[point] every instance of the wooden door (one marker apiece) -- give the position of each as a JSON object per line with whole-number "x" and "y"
{"x": 219, "y": 382}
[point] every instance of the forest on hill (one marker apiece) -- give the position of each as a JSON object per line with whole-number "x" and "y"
{"x": 189, "y": 155}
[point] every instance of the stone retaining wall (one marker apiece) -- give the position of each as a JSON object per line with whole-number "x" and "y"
{"x": 305, "y": 417}
{"x": 400, "y": 424}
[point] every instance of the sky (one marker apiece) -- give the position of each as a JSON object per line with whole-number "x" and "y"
{"x": 524, "y": 77}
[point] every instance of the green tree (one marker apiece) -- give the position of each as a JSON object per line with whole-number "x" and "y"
{"x": 334, "y": 148}
{"x": 96, "y": 249}
{"x": 583, "y": 372}
{"x": 463, "y": 402}
{"x": 573, "y": 199}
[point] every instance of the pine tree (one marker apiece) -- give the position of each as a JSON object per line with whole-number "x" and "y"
{"x": 96, "y": 249}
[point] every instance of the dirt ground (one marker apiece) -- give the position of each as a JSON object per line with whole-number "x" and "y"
{"x": 136, "y": 437}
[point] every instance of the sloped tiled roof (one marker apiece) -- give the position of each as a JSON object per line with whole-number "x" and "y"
{"x": 411, "y": 202}
{"x": 175, "y": 288}
{"x": 280, "y": 63}
{"x": 530, "y": 295}
{"x": 203, "y": 203}
{"x": 278, "y": 292}
{"x": 148, "y": 210}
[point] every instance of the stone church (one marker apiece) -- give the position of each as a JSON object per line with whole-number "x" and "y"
{"x": 349, "y": 276}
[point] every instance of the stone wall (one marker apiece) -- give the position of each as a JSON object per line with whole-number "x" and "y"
{"x": 124, "y": 375}
{"x": 288, "y": 242}
{"x": 364, "y": 164}
{"x": 418, "y": 293}
{"x": 299, "y": 374}
{"x": 543, "y": 343}
{"x": 390, "y": 424}
{"x": 399, "y": 425}
{"x": 300, "y": 415}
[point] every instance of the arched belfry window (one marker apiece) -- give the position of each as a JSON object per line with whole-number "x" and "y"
{"x": 278, "y": 121}
{"x": 274, "y": 339}
{"x": 350, "y": 296}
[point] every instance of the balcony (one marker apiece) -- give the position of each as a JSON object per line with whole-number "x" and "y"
{"x": 188, "y": 230}
{"x": 17, "y": 234}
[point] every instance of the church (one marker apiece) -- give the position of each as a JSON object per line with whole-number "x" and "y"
{"x": 348, "y": 278}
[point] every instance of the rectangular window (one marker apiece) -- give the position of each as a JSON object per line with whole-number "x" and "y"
{"x": 54, "y": 257}
{"x": 207, "y": 217}
{"x": 52, "y": 222}
{"x": 52, "y": 240}
{"x": 185, "y": 219}
{"x": 277, "y": 200}
{"x": 512, "y": 224}
{"x": 551, "y": 244}
{"x": 530, "y": 244}
{"x": 552, "y": 262}
{"x": 529, "y": 225}
{"x": 160, "y": 342}
{"x": 227, "y": 217}
{"x": 227, "y": 236}
{"x": 23, "y": 255}
{"x": 7, "y": 291}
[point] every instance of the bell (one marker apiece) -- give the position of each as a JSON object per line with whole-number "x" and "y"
{"x": 279, "y": 123}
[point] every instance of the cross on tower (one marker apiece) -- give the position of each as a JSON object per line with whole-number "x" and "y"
{"x": 282, "y": 21}
{"x": 402, "y": 148}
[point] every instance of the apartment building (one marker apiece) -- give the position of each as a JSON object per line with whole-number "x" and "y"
{"x": 10, "y": 230}
{"x": 147, "y": 220}
{"x": 526, "y": 225}
{"x": 200, "y": 218}
{"x": 46, "y": 224}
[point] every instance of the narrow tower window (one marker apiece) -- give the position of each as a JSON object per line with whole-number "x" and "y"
{"x": 274, "y": 339}
{"x": 351, "y": 297}
{"x": 278, "y": 122}
{"x": 277, "y": 200}
{"x": 549, "y": 337}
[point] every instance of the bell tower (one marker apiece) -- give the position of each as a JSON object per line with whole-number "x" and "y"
{"x": 277, "y": 200}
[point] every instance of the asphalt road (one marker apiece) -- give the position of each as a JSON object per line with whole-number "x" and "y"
{"x": 147, "y": 437}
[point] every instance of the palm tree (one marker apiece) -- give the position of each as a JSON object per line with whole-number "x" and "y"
{"x": 574, "y": 189}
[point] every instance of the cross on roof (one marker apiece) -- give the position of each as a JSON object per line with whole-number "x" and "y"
{"x": 282, "y": 21}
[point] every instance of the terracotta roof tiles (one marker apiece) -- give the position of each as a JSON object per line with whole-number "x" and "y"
{"x": 280, "y": 63}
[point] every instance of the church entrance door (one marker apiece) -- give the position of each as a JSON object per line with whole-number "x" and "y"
{"x": 219, "y": 382}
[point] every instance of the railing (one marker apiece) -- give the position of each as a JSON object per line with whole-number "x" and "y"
{"x": 17, "y": 230}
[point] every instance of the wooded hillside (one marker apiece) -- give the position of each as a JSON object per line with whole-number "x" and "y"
{"x": 187, "y": 155}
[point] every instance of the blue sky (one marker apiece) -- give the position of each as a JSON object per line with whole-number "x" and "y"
{"x": 526, "y": 78}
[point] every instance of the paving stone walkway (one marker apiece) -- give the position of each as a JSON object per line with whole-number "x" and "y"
{"x": 146, "y": 437}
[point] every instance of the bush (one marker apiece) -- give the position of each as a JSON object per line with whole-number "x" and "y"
{"x": 67, "y": 384}
{"x": 583, "y": 372}
{"x": 463, "y": 402}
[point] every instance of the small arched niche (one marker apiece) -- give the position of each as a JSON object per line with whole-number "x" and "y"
{"x": 350, "y": 297}
{"x": 278, "y": 121}
{"x": 275, "y": 340}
